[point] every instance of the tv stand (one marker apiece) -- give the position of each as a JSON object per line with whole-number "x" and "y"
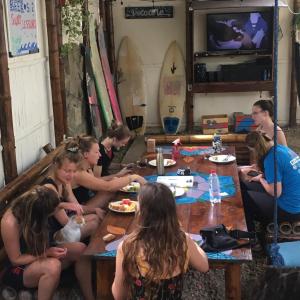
{"x": 265, "y": 84}
{"x": 230, "y": 53}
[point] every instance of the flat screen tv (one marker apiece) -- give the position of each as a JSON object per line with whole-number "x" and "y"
{"x": 243, "y": 31}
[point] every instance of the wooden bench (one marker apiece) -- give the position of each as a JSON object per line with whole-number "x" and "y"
{"x": 230, "y": 139}
{"x": 22, "y": 183}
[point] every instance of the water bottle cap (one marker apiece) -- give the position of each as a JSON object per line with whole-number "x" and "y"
{"x": 213, "y": 172}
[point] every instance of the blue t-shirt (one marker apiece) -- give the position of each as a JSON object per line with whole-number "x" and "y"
{"x": 288, "y": 173}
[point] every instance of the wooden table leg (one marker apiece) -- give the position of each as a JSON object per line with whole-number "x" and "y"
{"x": 105, "y": 277}
{"x": 233, "y": 282}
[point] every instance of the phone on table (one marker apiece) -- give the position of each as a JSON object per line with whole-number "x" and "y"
{"x": 253, "y": 173}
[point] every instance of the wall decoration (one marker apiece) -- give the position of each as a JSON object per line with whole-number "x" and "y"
{"x": 149, "y": 12}
{"x": 22, "y": 30}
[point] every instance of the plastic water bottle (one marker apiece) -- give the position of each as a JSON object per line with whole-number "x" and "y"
{"x": 160, "y": 162}
{"x": 214, "y": 188}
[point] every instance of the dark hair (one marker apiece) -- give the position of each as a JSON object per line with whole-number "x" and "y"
{"x": 266, "y": 105}
{"x": 32, "y": 210}
{"x": 260, "y": 143}
{"x": 118, "y": 131}
{"x": 71, "y": 152}
{"x": 158, "y": 234}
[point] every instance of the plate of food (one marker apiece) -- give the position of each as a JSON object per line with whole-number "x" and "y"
{"x": 222, "y": 158}
{"x": 177, "y": 191}
{"x": 167, "y": 162}
{"x": 124, "y": 206}
{"x": 132, "y": 187}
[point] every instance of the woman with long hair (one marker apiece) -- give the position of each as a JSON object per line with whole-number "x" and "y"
{"x": 117, "y": 136}
{"x": 32, "y": 262}
{"x": 258, "y": 194}
{"x": 152, "y": 260}
{"x": 89, "y": 189}
{"x": 64, "y": 167}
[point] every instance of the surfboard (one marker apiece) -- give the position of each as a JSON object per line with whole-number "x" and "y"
{"x": 92, "y": 96}
{"x": 101, "y": 89}
{"x": 131, "y": 87}
{"x": 172, "y": 89}
{"x": 107, "y": 74}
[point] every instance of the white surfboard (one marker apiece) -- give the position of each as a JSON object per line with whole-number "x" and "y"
{"x": 131, "y": 87}
{"x": 172, "y": 89}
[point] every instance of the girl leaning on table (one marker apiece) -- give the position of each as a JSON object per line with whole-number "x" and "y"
{"x": 90, "y": 190}
{"x": 258, "y": 191}
{"x": 32, "y": 261}
{"x": 152, "y": 260}
{"x": 117, "y": 136}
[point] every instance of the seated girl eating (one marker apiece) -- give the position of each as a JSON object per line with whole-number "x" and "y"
{"x": 90, "y": 190}
{"x": 152, "y": 260}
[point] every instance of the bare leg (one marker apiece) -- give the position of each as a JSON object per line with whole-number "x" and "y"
{"x": 83, "y": 270}
{"x": 44, "y": 274}
{"x": 84, "y": 275}
{"x": 101, "y": 199}
{"x": 92, "y": 223}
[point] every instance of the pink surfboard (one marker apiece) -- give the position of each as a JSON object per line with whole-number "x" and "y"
{"x": 107, "y": 75}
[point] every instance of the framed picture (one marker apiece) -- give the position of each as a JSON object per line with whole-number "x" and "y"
{"x": 22, "y": 27}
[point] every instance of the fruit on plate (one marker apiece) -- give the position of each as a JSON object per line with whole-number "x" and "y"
{"x": 133, "y": 187}
{"x": 125, "y": 205}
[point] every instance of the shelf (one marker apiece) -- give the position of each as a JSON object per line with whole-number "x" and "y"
{"x": 202, "y": 54}
{"x": 241, "y": 86}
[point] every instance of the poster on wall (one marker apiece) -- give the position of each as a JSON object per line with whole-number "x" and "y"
{"x": 21, "y": 23}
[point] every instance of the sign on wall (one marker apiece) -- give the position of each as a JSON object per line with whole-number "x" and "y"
{"x": 151, "y": 12}
{"x": 22, "y": 31}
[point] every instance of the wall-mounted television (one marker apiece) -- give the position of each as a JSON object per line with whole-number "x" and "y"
{"x": 242, "y": 31}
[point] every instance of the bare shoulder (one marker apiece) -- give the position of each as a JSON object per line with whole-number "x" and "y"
{"x": 8, "y": 220}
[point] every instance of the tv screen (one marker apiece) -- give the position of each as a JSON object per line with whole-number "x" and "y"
{"x": 250, "y": 31}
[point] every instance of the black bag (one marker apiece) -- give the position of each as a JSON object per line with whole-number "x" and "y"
{"x": 218, "y": 238}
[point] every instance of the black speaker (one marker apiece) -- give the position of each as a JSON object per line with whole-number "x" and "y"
{"x": 200, "y": 73}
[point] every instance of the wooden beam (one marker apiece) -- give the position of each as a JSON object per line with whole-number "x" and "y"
{"x": 6, "y": 119}
{"x": 61, "y": 64}
{"x": 26, "y": 179}
{"x": 58, "y": 109}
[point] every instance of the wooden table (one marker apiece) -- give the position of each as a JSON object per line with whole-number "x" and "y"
{"x": 193, "y": 217}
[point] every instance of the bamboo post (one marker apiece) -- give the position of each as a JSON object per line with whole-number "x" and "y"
{"x": 61, "y": 64}
{"x": 58, "y": 109}
{"x": 6, "y": 119}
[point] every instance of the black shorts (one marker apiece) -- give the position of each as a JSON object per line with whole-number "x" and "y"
{"x": 13, "y": 277}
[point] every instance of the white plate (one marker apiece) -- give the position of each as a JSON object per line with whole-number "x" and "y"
{"x": 122, "y": 211}
{"x": 222, "y": 158}
{"x": 179, "y": 191}
{"x": 133, "y": 187}
{"x": 167, "y": 162}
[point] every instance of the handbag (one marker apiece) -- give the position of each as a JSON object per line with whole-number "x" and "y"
{"x": 218, "y": 238}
